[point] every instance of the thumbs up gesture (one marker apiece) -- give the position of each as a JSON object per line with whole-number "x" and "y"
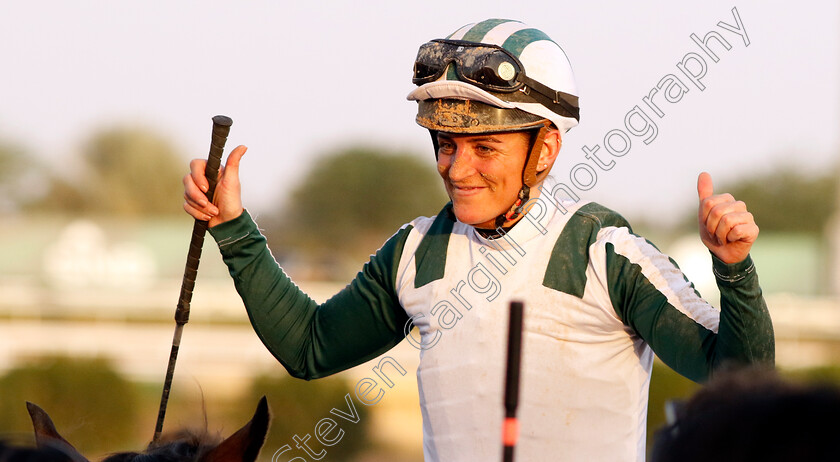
{"x": 726, "y": 227}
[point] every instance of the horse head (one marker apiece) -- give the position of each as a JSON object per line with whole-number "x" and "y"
{"x": 242, "y": 446}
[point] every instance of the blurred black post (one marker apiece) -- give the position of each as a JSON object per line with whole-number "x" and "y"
{"x": 510, "y": 428}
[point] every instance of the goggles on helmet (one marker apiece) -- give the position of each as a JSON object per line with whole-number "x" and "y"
{"x": 489, "y": 67}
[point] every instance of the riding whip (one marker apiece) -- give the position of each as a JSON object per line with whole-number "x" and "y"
{"x": 221, "y": 128}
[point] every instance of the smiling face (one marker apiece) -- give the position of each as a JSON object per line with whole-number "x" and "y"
{"x": 482, "y": 173}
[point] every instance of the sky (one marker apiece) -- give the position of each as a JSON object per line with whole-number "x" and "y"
{"x": 301, "y": 79}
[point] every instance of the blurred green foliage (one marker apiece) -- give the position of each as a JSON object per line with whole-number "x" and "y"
{"x": 22, "y": 178}
{"x": 297, "y": 406}
{"x": 349, "y": 203}
{"x": 120, "y": 172}
{"x": 786, "y": 199}
{"x": 91, "y": 405}
{"x": 97, "y": 410}
{"x": 789, "y": 201}
{"x": 126, "y": 172}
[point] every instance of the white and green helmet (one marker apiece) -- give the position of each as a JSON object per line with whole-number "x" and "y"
{"x": 497, "y": 75}
{"x": 501, "y": 64}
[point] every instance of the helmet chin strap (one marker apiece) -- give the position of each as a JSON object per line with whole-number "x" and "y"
{"x": 530, "y": 177}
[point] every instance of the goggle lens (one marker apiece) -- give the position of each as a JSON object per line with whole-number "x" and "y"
{"x": 426, "y": 72}
{"x": 486, "y": 66}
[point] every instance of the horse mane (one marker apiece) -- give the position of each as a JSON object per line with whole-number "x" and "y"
{"x": 183, "y": 446}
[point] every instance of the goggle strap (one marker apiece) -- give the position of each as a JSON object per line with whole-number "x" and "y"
{"x": 548, "y": 97}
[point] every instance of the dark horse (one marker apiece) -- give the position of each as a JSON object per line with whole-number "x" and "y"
{"x": 242, "y": 446}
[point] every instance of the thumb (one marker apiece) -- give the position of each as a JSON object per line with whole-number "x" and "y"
{"x": 232, "y": 164}
{"x": 705, "y": 188}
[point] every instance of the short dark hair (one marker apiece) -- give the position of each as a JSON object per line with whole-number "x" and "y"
{"x": 753, "y": 415}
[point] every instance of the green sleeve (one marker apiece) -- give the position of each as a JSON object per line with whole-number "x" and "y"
{"x": 359, "y": 323}
{"x": 744, "y": 333}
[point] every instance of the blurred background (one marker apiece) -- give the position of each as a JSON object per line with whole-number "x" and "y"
{"x": 104, "y": 103}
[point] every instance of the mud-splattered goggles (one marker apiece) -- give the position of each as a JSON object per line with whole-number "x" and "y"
{"x": 489, "y": 67}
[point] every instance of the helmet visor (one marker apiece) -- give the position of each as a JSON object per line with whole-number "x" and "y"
{"x": 466, "y": 116}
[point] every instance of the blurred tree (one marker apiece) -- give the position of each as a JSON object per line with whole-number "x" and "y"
{"x": 134, "y": 172}
{"x": 350, "y": 202}
{"x": 92, "y": 406}
{"x": 126, "y": 172}
{"x": 22, "y": 179}
{"x": 786, "y": 200}
{"x": 297, "y": 406}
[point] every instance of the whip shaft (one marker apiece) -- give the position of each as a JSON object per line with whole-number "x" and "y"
{"x": 221, "y": 129}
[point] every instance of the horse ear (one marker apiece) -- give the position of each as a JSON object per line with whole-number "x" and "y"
{"x": 46, "y": 436}
{"x": 245, "y": 444}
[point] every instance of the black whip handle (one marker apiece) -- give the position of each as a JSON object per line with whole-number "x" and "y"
{"x": 221, "y": 129}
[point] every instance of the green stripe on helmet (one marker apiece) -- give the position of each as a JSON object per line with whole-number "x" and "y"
{"x": 451, "y": 74}
{"x": 478, "y": 31}
{"x": 522, "y": 38}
